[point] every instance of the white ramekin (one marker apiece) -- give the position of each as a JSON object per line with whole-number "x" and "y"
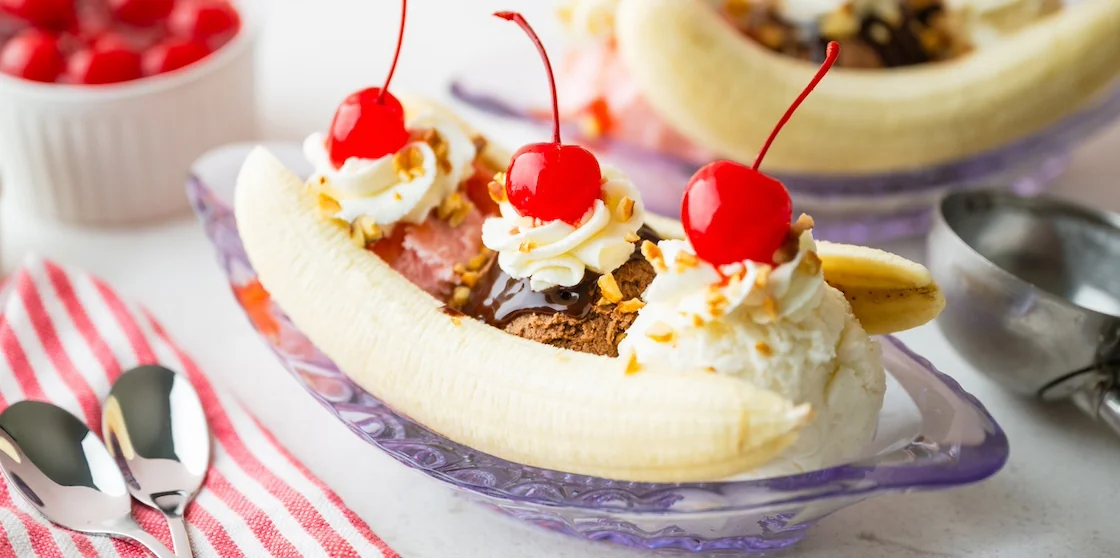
{"x": 119, "y": 154}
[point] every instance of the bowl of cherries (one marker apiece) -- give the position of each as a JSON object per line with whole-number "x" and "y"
{"x": 104, "y": 104}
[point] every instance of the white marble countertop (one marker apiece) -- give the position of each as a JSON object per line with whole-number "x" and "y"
{"x": 1051, "y": 500}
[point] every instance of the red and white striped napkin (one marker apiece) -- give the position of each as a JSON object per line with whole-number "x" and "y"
{"x": 65, "y": 337}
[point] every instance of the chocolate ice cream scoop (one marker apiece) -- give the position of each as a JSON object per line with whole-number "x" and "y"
{"x": 566, "y": 317}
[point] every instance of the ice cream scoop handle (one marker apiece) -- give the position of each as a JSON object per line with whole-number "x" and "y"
{"x": 1109, "y": 411}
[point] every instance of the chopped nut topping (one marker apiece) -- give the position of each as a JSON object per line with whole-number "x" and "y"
{"x": 735, "y": 280}
{"x": 686, "y": 260}
{"x": 763, "y": 278}
{"x": 459, "y": 217}
{"x": 697, "y": 320}
{"x": 368, "y": 227}
{"x": 440, "y": 147}
{"x": 810, "y": 264}
{"x": 631, "y": 306}
{"x": 661, "y": 332}
{"x": 603, "y": 302}
{"x": 618, "y": 338}
{"x": 803, "y": 223}
{"x": 459, "y": 297}
{"x": 840, "y": 24}
{"x": 476, "y": 263}
{"x": 459, "y": 269}
{"x": 470, "y": 278}
{"x": 322, "y": 180}
{"x": 328, "y": 206}
{"x": 625, "y": 209}
{"x": 408, "y": 163}
{"x": 879, "y": 33}
{"x": 609, "y": 287}
{"x": 770, "y": 306}
{"x": 716, "y": 301}
{"x": 527, "y": 246}
{"x": 632, "y": 237}
{"x": 497, "y": 192}
{"x": 653, "y": 255}
{"x": 771, "y": 35}
{"x": 632, "y": 366}
{"x": 454, "y": 209}
{"x": 764, "y": 349}
{"x": 363, "y": 231}
{"x": 449, "y": 205}
{"x": 788, "y": 251}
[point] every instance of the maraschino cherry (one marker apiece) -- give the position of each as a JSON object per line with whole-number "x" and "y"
{"x": 45, "y": 14}
{"x": 732, "y": 212}
{"x": 551, "y": 181}
{"x": 32, "y": 55}
{"x": 370, "y": 123}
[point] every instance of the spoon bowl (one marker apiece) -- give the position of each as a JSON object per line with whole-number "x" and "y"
{"x": 155, "y": 427}
{"x": 64, "y": 471}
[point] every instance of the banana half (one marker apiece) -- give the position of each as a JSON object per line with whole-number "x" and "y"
{"x": 725, "y": 92}
{"x": 514, "y": 398}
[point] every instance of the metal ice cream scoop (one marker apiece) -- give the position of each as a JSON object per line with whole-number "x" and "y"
{"x": 155, "y": 427}
{"x": 1033, "y": 292}
{"x": 64, "y": 471}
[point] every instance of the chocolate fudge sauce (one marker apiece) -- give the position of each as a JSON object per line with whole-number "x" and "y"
{"x": 498, "y": 298}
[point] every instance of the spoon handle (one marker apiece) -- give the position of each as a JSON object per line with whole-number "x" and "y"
{"x": 179, "y": 538}
{"x": 128, "y": 529}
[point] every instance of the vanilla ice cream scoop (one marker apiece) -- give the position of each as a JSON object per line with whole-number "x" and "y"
{"x": 781, "y": 328}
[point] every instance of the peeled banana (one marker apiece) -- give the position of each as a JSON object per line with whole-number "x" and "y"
{"x": 888, "y": 293}
{"x": 725, "y": 92}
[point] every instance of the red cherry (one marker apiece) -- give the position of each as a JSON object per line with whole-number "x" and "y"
{"x": 203, "y": 20}
{"x": 551, "y": 181}
{"x": 46, "y": 14}
{"x": 732, "y": 212}
{"x": 103, "y": 64}
{"x": 32, "y": 55}
{"x": 172, "y": 54}
{"x": 370, "y": 124}
{"x": 367, "y": 125}
{"x": 141, "y": 12}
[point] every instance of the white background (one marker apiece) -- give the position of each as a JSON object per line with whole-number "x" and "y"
{"x": 1055, "y": 497}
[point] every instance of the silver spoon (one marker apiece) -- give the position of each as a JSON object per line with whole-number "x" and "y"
{"x": 64, "y": 471}
{"x": 154, "y": 425}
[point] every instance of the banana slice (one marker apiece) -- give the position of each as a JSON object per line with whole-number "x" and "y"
{"x": 510, "y": 397}
{"x": 725, "y": 92}
{"x": 888, "y": 293}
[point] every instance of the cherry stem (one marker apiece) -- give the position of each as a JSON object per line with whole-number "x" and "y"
{"x": 520, "y": 20}
{"x": 396, "y": 55}
{"x": 832, "y": 52}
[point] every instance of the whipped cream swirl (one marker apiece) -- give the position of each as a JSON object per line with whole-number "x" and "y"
{"x": 555, "y": 253}
{"x": 404, "y": 186}
{"x": 690, "y": 307}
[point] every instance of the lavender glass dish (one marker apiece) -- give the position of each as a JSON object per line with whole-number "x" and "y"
{"x": 857, "y": 209}
{"x": 932, "y": 435}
